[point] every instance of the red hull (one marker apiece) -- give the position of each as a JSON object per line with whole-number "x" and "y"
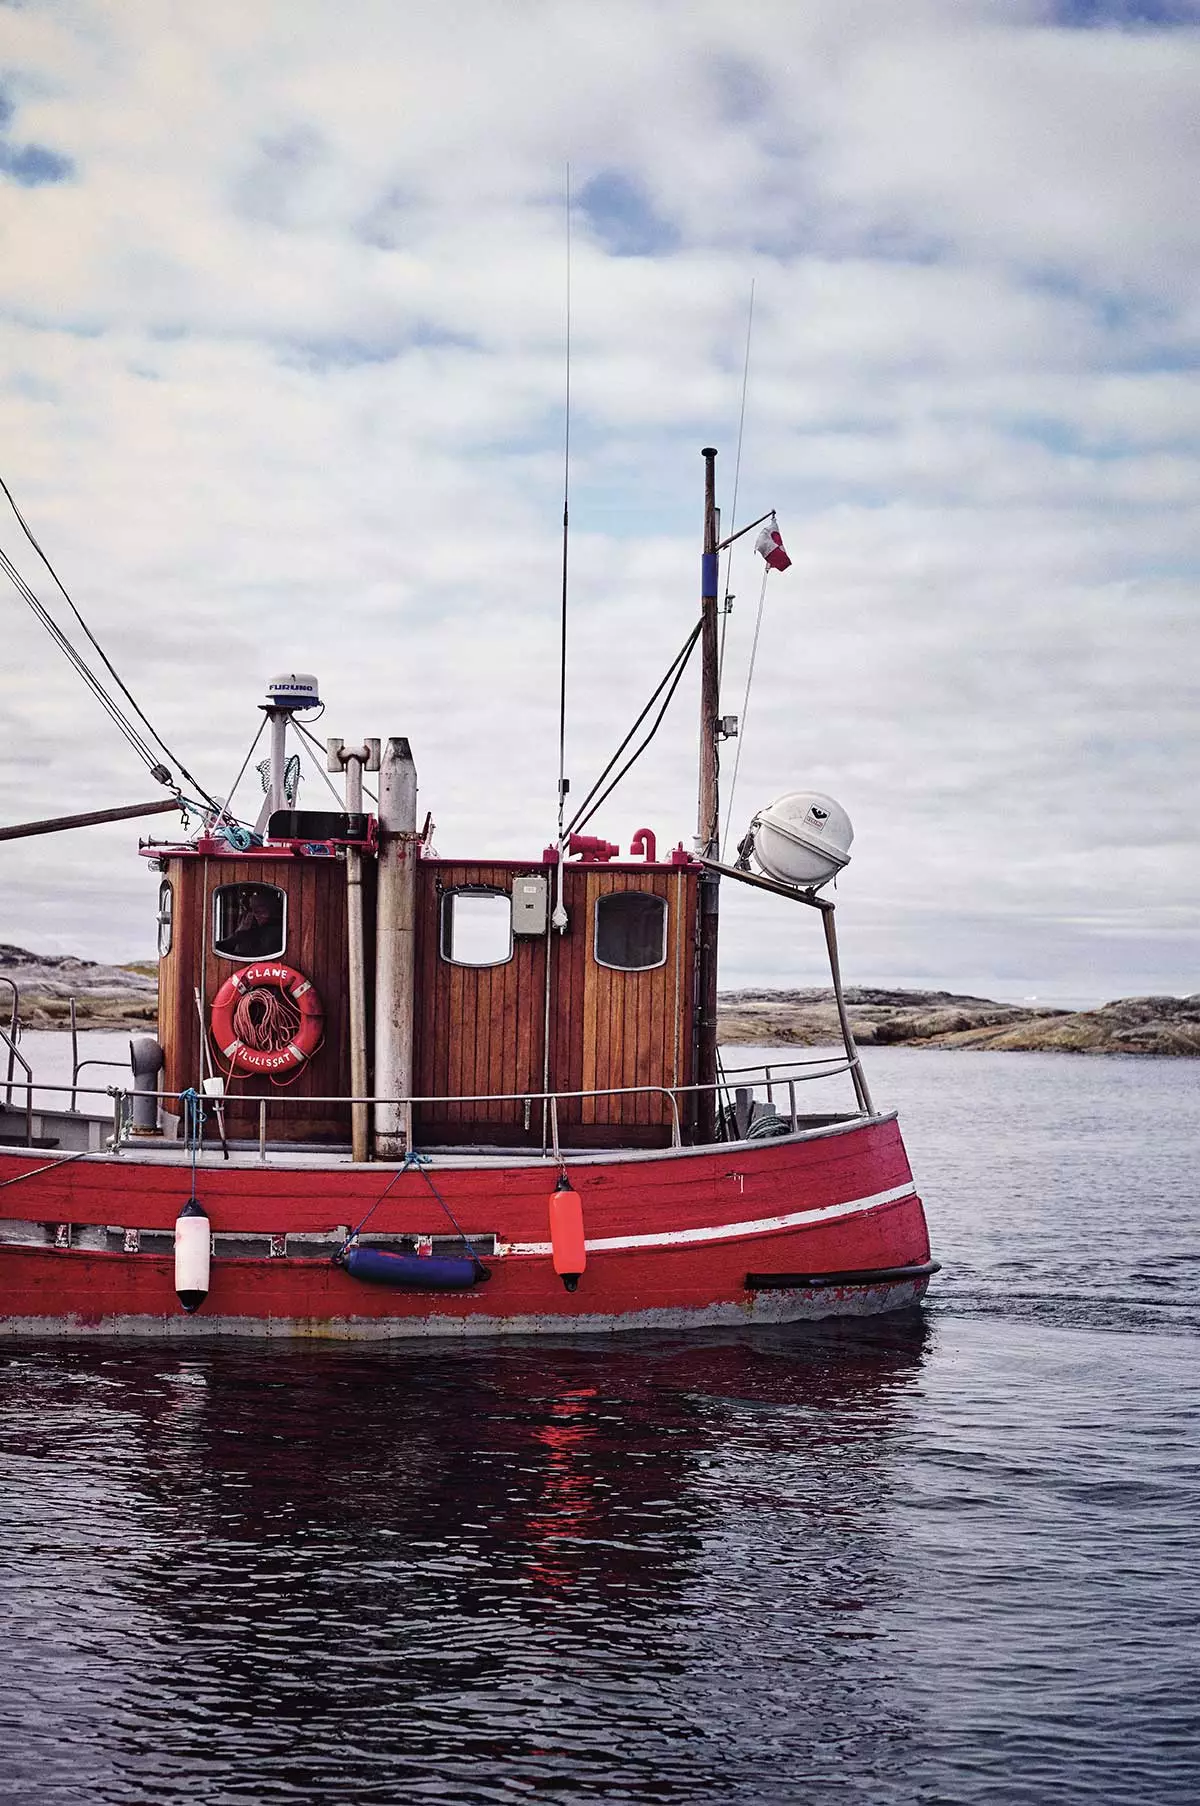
{"x": 672, "y": 1239}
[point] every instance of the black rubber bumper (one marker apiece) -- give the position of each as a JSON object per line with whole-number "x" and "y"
{"x": 862, "y": 1276}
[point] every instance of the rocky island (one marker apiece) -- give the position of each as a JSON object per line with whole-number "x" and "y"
{"x": 1139, "y": 1025}
{"x": 105, "y": 996}
{"x": 125, "y": 997}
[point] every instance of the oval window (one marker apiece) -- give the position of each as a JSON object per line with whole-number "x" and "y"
{"x": 165, "y": 904}
{"x": 477, "y": 927}
{"x": 631, "y": 930}
{"x": 249, "y": 921}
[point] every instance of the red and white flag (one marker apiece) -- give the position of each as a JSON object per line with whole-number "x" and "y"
{"x": 770, "y": 546}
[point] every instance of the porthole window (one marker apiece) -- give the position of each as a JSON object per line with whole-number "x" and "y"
{"x": 631, "y": 930}
{"x": 165, "y": 903}
{"x": 477, "y": 927}
{"x": 249, "y": 921}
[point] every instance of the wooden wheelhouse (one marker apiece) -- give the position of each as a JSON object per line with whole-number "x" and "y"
{"x": 505, "y": 1007}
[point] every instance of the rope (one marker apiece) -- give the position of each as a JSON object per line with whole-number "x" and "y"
{"x": 413, "y": 1162}
{"x": 192, "y": 1111}
{"x": 52, "y": 1166}
{"x": 762, "y": 594}
{"x": 266, "y": 1020}
{"x": 421, "y": 1161}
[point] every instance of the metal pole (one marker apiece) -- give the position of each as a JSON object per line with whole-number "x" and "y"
{"x": 14, "y": 1024}
{"x": 857, "y": 1077}
{"x": 395, "y": 950}
{"x": 708, "y": 822}
{"x": 278, "y": 795}
{"x": 355, "y": 760}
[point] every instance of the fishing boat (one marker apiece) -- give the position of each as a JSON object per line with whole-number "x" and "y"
{"x": 392, "y": 1094}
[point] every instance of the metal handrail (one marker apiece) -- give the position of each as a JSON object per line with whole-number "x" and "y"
{"x": 14, "y": 1034}
{"x": 122, "y": 1065}
{"x": 15, "y": 1053}
{"x": 829, "y": 1069}
{"x": 77, "y": 1065}
{"x": 771, "y": 1074}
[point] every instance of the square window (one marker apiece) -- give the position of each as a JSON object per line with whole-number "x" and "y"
{"x": 249, "y": 921}
{"x": 477, "y": 927}
{"x": 631, "y": 930}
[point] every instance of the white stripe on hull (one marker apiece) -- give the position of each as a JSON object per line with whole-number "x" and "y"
{"x": 722, "y": 1232}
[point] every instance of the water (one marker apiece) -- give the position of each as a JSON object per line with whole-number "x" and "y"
{"x": 947, "y": 1558}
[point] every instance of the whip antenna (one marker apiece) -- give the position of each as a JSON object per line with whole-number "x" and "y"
{"x": 727, "y": 603}
{"x": 558, "y": 919}
{"x": 562, "y": 656}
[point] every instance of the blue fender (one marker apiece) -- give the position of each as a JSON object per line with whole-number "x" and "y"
{"x": 414, "y": 1272}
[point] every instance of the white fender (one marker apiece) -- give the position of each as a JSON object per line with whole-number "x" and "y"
{"x": 193, "y": 1255}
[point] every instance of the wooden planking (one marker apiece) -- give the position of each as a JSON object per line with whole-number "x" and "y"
{"x": 316, "y": 946}
{"x": 478, "y": 1029}
{"x": 629, "y": 1018}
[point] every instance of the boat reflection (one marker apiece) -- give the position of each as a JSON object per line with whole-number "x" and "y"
{"x": 536, "y": 1553}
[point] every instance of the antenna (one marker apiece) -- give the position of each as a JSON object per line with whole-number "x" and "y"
{"x": 559, "y": 913}
{"x": 727, "y": 599}
{"x": 558, "y": 918}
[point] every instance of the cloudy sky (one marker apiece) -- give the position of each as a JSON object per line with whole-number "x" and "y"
{"x": 282, "y": 308}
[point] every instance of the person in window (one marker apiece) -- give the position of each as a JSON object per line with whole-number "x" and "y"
{"x": 257, "y": 932}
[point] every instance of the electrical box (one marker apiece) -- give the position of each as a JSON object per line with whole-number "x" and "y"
{"x": 529, "y": 900}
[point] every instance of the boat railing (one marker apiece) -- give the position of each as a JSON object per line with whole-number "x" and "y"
{"x": 15, "y": 1055}
{"x": 782, "y": 1076}
{"x": 12, "y": 1036}
{"x": 78, "y": 1065}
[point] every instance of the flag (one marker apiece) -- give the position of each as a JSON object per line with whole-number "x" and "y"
{"x": 771, "y": 547}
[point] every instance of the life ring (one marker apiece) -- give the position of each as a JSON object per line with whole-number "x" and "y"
{"x": 267, "y": 1018}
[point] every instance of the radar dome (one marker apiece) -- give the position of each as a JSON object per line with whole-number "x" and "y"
{"x": 802, "y": 838}
{"x": 293, "y": 690}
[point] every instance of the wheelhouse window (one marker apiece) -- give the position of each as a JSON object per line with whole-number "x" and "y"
{"x": 165, "y": 906}
{"x": 477, "y": 927}
{"x": 249, "y": 921}
{"x": 631, "y": 930}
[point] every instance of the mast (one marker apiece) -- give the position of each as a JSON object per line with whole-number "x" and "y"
{"x": 708, "y": 823}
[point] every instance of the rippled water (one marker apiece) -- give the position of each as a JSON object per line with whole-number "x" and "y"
{"x": 939, "y": 1558}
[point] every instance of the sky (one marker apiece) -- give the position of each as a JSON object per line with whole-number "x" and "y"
{"x": 283, "y": 310}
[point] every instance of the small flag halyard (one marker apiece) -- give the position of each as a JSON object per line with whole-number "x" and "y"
{"x": 770, "y": 546}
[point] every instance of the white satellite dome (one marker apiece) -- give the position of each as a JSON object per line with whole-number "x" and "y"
{"x": 802, "y": 838}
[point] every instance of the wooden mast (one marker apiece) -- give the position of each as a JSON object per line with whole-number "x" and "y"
{"x": 708, "y": 818}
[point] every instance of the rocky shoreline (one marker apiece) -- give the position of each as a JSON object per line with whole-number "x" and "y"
{"x": 126, "y": 997}
{"x": 117, "y": 997}
{"x": 1131, "y": 1025}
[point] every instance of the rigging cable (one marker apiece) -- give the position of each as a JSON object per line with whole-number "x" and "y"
{"x": 42, "y": 614}
{"x": 762, "y": 594}
{"x": 674, "y": 673}
{"x": 737, "y": 471}
{"x": 145, "y": 752}
{"x": 227, "y": 810}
